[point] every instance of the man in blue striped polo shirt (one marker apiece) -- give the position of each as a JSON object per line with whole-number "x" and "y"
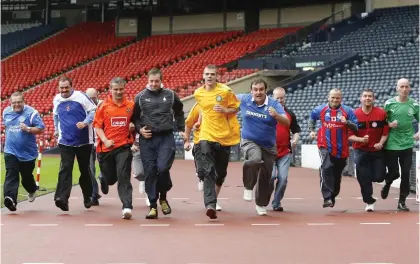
{"x": 73, "y": 115}
{"x": 260, "y": 115}
{"x": 22, "y": 123}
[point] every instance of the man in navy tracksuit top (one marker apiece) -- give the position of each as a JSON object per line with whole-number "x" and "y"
{"x": 154, "y": 113}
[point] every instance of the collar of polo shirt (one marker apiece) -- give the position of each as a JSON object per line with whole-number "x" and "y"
{"x": 265, "y": 102}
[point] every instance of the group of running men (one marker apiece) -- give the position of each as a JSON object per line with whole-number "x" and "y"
{"x": 138, "y": 136}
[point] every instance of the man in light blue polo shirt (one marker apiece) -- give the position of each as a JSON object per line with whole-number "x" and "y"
{"x": 73, "y": 115}
{"x": 22, "y": 123}
{"x": 260, "y": 115}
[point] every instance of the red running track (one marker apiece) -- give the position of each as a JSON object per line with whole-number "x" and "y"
{"x": 304, "y": 233}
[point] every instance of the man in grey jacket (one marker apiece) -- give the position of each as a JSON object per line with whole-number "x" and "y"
{"x": 154, "y": 113}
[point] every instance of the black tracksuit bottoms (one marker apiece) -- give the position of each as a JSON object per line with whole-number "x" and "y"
{"x": 115, "y": 166}
{"x": 405, "y": 159}
{"x": 11, "y": 182}
{"x": 158, "y": 155}
{"x": 65, "y": 174}
{"x": 330, "y": 174}
{"x": 370, "y": 167}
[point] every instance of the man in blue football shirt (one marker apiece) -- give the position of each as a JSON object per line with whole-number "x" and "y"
{"x": 260, "y": 115}
{"x": 73, "y": 115}
{"x": 22, "y": 123}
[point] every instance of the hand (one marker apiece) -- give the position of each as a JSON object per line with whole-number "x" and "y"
{"x": 196, "y": 125}
{"x": 393, "y": 124}
{"x": 378, "y": 146}
{"x": 293, "y": 143}
{"x": 343, "y": 119}
{"x": 218, "y": 108}
{"x": 187, "y": 146}
{"x": 365, "y": 139}
{"x": 108, "y": 143}
{"x": 183, "y": 135}
{"x": 312, "y": 135}
{"x": 23, "y": 127}
{"x": 272, "y": 111}
{"x": 56, "y": 134}
{"x": 131, "y": 127}
{"x": 81, "y": 125}
{"x": 134, "y": 148}
{"x": 416, "y": 136}
{"x": 146, "y": 133}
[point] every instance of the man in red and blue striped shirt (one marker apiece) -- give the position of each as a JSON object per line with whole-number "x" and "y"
{"x": 333, "y": 138}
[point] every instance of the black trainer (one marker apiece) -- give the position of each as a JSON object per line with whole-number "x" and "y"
{"x": 402, "y": 207}
{"x": 211, "y": 212}
{"x": 63, "y": 205}
{"x": 9, "y": 203}
{"x": 385, "y": 191}
{"x": 328, "y": 203}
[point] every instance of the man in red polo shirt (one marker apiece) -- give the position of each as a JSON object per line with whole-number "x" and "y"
{"x": 368, "y": 143}
{"x": 112, "y": 125}
{"x": 284, "y": 149}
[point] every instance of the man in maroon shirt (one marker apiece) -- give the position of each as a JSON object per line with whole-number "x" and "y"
{"x": 284, "y": 150}
{"x": 368, "y": 143}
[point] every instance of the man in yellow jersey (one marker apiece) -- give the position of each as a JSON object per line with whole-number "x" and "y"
{"x": 192, "y": 123}
{"x": 217, "y": 106}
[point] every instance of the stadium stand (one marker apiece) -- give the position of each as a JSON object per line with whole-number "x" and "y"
{"x": 19, "y": 37}
{"x": 69, "y": 49}
{"x": 9, "y": 28}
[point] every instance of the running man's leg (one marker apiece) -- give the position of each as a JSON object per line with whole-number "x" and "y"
{"x": 28, "y": 181}
{"x": 65, "y": 177}
{"x": 149, "y": 156}
{"x": 252, "y": 164}
{"x": 85, "y": 180}
{"x": 165, "y": 160}
{"x": 11, "y": 182}
{"x": 123, "y": 159}
{"x": 338, "y": 166}
{"x": 326, "y": 177}
{"x": 222, "y": 162}
{"x": 264, "y": 188}
{"x": 208, "y": 157}
{"x": 364, "y": 165}
{"x": 391, "y": 161}
{"x": 281, "y": 166}
{"x": 92, "y": 170}
{"x": 406, "y": 160}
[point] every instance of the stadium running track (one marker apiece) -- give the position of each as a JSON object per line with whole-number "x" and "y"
{"x": 304, "y": 233}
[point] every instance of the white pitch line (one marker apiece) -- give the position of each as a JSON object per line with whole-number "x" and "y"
{"x": 209, "y": 224}
{"x": 43, "y": 224}
{"x": 157, "y": 225}
{"x": 375, "y": 223}
{"x": 320, "y": 224}
{"x": 274, "y": 224}
{"x": 98, "y": 224}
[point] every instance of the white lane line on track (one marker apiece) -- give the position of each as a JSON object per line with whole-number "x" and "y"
{"x": 139, "y": 198}
{"x": 99, "y": 225}
{"x": 180, "y": 198}
{"x": 41, "y": 225}
{"x": 371, "y": 263}
{"x": 408, "y": 198}
{"x": 126, "y": 263}
{"x": 108, "y": 198}
{"x": 270, "y": 224}
{"x": 377, "y": 223}
{"x": 222, "y": 198}
{"x": 155, "y": 225}
{"x": 42, "y": 263}
{"x": 293, "y": 198}
{"x": 73, "y": 197}
{"x": 320, "y": 224}
{"x": 209, "y": 224}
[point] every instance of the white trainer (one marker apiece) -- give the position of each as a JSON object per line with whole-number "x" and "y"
{"x": 261, "y": 210}
{"x": 218, "y": 208}
{"x": 200, "y": 186}
{"x": 31, "y": 197}
{"x": 370, "y": 207}
{"x": 141, "y": 187}
{"x": 248, "y": 195}
{"x": 127, "y": 213}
